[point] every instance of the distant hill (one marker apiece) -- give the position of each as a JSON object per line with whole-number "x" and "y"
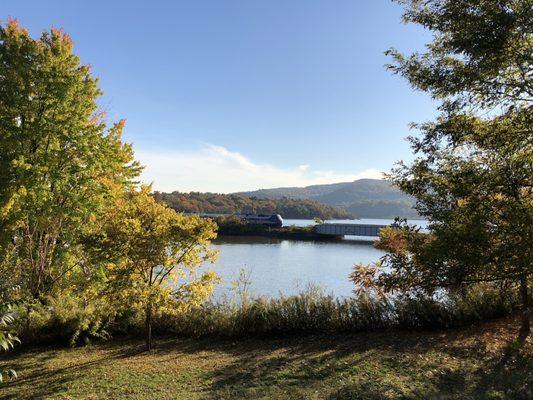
{"x": 195, "y": 202}
{"x": 364, "y": 198}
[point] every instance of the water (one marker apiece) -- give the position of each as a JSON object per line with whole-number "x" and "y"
{"x": 286, "y": 267}
{"x": 276, "y": 266}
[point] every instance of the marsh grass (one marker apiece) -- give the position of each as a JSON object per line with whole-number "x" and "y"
{"x": 313, "y": 311}
{"x": 69, "y": 321}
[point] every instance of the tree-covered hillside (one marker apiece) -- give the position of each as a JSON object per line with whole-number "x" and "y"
{"x": 195, "y": 202}
{"x": 364, "y": 198}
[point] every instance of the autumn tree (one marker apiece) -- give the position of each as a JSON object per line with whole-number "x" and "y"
{"x": 472, "y": 177}
{"x": 151, "y": 257}
{"x": 60, "y": 163}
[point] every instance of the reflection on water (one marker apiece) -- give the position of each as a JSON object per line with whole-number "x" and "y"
{"x": 277, "y": 266}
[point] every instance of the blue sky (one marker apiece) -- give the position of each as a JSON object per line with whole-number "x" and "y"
{"x": 225, "y": 95}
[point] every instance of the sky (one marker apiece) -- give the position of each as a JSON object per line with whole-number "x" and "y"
{"x": 233, "y": 95}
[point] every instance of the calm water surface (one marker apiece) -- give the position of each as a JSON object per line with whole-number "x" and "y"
{"x": 276, "y": 266}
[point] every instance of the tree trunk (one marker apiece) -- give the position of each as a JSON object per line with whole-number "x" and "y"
{"x": 525, "y": 327}
{"x": 148, "y": 326}
{"x": 27, "y": 331}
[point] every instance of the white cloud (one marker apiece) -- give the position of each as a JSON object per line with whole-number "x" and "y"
{"x": 217, "y": 169}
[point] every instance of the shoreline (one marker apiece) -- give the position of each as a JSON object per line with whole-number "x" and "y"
{"x": 286, "y": 234}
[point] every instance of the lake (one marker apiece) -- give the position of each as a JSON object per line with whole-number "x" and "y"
{"x": 276, "y": 266}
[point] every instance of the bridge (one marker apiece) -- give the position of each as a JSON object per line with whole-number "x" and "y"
{"x": 349, "y": 229}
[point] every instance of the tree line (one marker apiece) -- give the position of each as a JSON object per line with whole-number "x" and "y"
{"x": 195, "y": 202}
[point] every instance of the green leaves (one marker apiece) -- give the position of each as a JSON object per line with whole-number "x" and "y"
{"x": 7, "y": 338}
{"x": 473, "y": 176}
{"x": 481, "y": 52}
{"x": 60, "y": 162}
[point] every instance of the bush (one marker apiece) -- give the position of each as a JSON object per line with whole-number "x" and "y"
{"x": 312, "y": 311}
{"x": 7, "y": 338}
{"x": 67, "y": 319}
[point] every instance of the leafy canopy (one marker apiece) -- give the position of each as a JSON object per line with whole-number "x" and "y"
{"x": 152, "y": 256}
{"x": 472, "y": 176}
{"x": 61, "y": 164}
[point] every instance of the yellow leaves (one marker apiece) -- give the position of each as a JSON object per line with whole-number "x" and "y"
{"x": 7, "y": 207}
{"x": 21, "y": 163}
{"x": 365, "y": 278}
{"x": 462, "y": 202}
{"x": 156, "y": 253}
{"x": 392, "y": 240}
{"x": 211, "y": 256}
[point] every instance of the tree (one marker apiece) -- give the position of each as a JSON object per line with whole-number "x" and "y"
{"x": 61, "y": 165}
{"x": 239, "y": 204}
{"x": 151, "y": 256}
{"x": 472, "y": 177}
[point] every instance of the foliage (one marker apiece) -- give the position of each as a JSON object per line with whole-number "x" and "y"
{"x": 236, "y": 204}
{"x": 233, "y": 225}
{"x": 383, "y": 209}
{"x": 480, "y": 55}
{"x": 70, "y": 317}
{"x": 60, "y": 163}
{"x": 151, "y": 256}
{"x": 7, "y": 336}
{"x": 311, "y": 311}
{"x": 472, "y": 178}
{"x": 314, "y": 311}
{"x": 7, "y": 341}
{"x": 75, "y": 237}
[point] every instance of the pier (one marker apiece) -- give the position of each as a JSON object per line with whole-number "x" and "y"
{"x": 349, "y": 229}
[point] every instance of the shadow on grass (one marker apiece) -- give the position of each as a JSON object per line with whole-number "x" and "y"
{"x": 361, "y": 366}
{"x": 370, "y": 366}
{"x": 44, "y": 381}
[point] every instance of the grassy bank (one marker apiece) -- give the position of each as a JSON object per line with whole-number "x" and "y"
{"x": 454, "y": 364}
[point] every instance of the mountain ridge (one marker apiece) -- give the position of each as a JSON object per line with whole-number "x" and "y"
{"x": 365, "y": 198}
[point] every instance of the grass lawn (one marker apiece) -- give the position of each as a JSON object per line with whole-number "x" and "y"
{"x": 456, "y": 364}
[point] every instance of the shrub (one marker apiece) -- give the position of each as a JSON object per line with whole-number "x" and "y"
{"x": 7, "y": 338}
{"x": 68, "y": 319}
{"x": 313, "y": 311}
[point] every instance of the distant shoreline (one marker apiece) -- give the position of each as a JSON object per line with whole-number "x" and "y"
{"x": 289, "y": 234}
